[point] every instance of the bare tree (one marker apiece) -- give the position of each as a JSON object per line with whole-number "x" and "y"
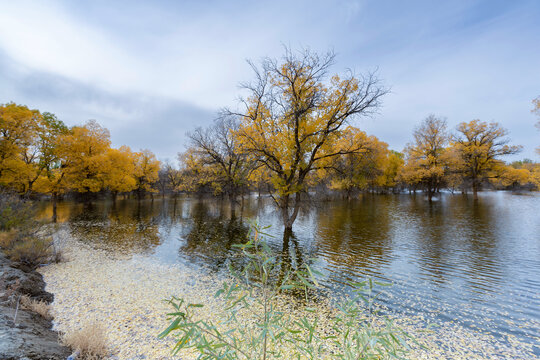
{"x": 218, "y": 148}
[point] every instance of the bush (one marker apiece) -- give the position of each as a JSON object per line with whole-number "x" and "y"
{"x": 251, "y": 326}
{"x": 23, "y": 239}
{"x": 30, "y": 251}
{"x": 15, "y": 213}
{"x": 37, "y": 306}
{"x": 89, "y": 341}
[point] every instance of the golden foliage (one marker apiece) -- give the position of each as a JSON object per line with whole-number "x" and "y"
{"x": 479, "y": 146}
{"x": 118, "y": 170}
{"x": 427, "y": 160}
{"x": 146, "y": 171}
{"x": 293, "y": 119}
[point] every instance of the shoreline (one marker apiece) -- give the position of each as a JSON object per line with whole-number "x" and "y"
{"x": 125, "y": 293}
{"x": 25, "y": 334}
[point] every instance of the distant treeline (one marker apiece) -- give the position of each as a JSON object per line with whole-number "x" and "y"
{"x": 40, "y": 155}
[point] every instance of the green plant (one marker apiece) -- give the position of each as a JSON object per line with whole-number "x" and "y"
{"x": 252, "y": 324}
{"x": 23, "y": 239}
{"x": 15, "y": 212}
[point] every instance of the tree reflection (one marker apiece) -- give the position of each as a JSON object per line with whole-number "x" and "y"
{"x": 122, "y": 226}
{"x": 210, "y": 237}
{"x": 355, "y": 237}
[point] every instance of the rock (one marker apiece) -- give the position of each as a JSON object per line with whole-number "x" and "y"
{"x": 29, "y": 336}
{"x": 26, "y": 283}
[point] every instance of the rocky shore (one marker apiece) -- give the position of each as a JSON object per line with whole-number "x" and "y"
{"x": 25, "y": 334}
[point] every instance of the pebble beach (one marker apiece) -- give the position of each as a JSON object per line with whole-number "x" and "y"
{"x": 125, "y": 294}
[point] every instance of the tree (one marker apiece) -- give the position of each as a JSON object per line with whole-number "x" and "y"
{"x": 119, "y": 170}
{"x": 393, "y": 163}
{"x": 146, "y": 172}
{"x": 42, "y": 155}
{"x": 218, "y": 148}
{"x": 293, "y": 117}
{"x": 426, "y": 164}
{"x": 18, "y": 130}
{"x": 83, "y": 152}
{"x": 193, "y": 175}
{"x": 479, "y": 146}
{"x": 509, "y": 176}
{"x": 358, "y": 170}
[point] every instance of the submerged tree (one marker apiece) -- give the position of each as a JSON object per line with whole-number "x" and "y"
{"x": 426, "y": 163}
{"x": 479, "y": 146}
{"x": 217, "y": 148}
{"x": 145, "y": 172}
{"x": 359, "y": 170}
{"x": 294, "y": 116}
{"x": 119, "y": 172}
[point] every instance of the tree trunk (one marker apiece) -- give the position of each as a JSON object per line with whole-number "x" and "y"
{"x": 54, "y": 198}
{"x": 288, "y": 219}
{"x": 475, "y": 189}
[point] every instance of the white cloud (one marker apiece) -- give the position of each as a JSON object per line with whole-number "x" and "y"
{"x": 462, "y": 60}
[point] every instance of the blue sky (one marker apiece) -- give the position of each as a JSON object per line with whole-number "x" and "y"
{"x": 150, "y": 71}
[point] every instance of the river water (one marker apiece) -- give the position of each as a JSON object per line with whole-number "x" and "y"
{"x": 476, "y": 263}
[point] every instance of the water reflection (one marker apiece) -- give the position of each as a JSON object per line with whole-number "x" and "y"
{"x": 210, "y": 237}
{"x": 477, "y": 262}
{"x": 355, "y": 236}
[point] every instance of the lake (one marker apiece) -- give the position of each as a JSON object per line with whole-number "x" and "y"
{"x": 452, "y": 260}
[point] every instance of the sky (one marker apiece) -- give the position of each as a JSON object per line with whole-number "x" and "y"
{"x": 152, "y": 71}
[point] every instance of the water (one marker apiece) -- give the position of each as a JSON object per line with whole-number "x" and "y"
{"x": 452, "y": 260}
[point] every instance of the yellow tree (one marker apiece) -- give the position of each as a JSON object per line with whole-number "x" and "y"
{"x": 192, "y": 172}
{"x": 426, "y": 163}
{"x": 146, "y": 172}
{"x": 42, "y": 154}
{"x": 479, "y": 146}
{"x": 118, "y": 171}
{"x": 511, "y": 176}
{"x": 535, "y": 176}
{"x": 18, "y": 131}
{"x": 294, "y": 116}
{"x": 357, "y": 170}
{"x": 83, "y": 152}
{"x": 392, "y": 165}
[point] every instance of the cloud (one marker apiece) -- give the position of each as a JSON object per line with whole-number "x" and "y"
{"x": 151, "y": 71}
{"x": 134, "y": 119}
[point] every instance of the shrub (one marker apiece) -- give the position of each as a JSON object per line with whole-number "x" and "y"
{"x": 30, "y": 251}
{"x": 39, "y": 307}
{"x": 89, "y": 341}
{"x": 251, "y": 325}
{"x": 23, "y": 239}
{"x": 15, "y": 212}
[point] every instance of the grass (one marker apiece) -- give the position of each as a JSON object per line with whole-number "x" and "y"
{"x": 90, "y": 341}
{"x": 26, "y": 241}
{"x": 39, "y": 307}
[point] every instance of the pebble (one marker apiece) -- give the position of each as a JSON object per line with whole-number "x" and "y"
{"x": 126, "y": 294}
